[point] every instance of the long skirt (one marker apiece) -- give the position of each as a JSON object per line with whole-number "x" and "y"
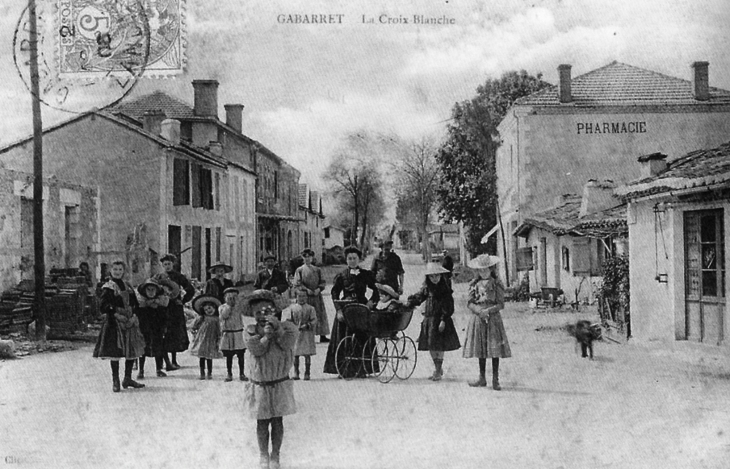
{"x": 117, "y": 343}
{"x": 431, "y": 339}
{"x": 361, "y": 342}
{"x": 265, "y": 402}
{"x": 486, "y": 339}
{"x": 323, "y": 324}
{"x": 176, "y": 339}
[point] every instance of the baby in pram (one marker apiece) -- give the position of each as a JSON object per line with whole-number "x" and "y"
{"x": 389, "y": 299}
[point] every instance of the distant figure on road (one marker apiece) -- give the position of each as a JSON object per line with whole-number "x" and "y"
{"x": 388, "y": 268}
{"x": 218, "y": 284}
{"x": 447, "y": 263}
{"x": 271, "y": 277}
{"x": 310, "y": 278}
{"x": 485, "y": 334}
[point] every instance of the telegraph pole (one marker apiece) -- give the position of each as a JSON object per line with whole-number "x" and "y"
{"x": 39, "y": 302}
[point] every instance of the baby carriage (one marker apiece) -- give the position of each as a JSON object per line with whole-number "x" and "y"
{"x": 387, "y": 353}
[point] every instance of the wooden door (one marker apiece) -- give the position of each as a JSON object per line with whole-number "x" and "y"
{"x": 704, "y": 277}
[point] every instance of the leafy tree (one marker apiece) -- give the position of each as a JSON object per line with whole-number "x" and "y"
{"x": 468, "y": 190}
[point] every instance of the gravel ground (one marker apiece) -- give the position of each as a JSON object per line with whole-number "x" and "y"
{"x": 634, "y": 406}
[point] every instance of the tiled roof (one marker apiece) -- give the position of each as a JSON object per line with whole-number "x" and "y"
{"x": 619, "y": 84}
{"x": 697, "y": 169}
{"x": 303, "y": 196}
{"x": 174, "y": 109}
{"x": 565, "y": 219}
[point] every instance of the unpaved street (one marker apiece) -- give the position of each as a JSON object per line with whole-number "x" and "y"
{"x": 634, "y": 406}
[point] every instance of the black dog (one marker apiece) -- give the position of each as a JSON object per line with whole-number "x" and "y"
{"x": 585, "y": 333}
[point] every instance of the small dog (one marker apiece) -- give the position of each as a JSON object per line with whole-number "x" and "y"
{"x": 7, "y": 349}
{"x": 585, "y": 333}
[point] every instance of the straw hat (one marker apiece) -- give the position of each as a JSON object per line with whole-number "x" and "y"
{"x": 484, "y": 261}
{"x": 434, "y": 268}
{"x": 201, "y": 300}
{"x": 164, "y": 281}
{"x": 231, "y": 290}
{"x": 387, "y": 289}
{"x": 227, "y": 268}
{"x": 261, "y": 295}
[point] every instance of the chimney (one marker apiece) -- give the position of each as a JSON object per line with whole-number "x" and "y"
{"x": 234, "y": 116}
{"x": 653, "y": 164}
{"x": 701, "y": 81}
{"x": 206, "y": 98}
{"x": 170, "y": 130}
{"x": 597, "y": 196}
{"x": 152, "y": 119}
{"x": 216, "y": 148}
{"x": 564, "y": 73}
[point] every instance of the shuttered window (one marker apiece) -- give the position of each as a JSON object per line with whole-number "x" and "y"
{"x": 581, "y": 256}
{"x": 195, "y": 177}
{"x": 206, "y": 188}
{"x": 181, "y": 182}
{"x": 524, "y": 259}
{"x": 217, "y": 200}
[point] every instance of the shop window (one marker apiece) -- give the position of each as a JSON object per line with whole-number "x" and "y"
{"x": 566, "y": 259}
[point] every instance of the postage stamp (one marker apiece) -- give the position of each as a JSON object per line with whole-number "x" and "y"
{"x": 102, "y": 38}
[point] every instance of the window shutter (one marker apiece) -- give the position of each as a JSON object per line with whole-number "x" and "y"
{"x": 195, "y": 173}
{"x": 524, "y": 259}
{"x": 581, "y": 256}
{"x": 206, "y": 188}
{"x": 180, "y": 182}
{"x": 217, "y": 200}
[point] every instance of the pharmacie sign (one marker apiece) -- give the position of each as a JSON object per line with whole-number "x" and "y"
{"x": 636, "y": 127}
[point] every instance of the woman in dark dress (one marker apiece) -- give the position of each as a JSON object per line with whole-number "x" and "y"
{"x": 176, "y": 336}
{"x": 120, "y": 337}
{"x": 350, "y": 284}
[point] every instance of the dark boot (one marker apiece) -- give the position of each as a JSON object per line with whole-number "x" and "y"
{"x": 210, "y": 368}
{"x": 241, "y": 363}
{"x": 140, "y": 373}
{"x": 202, "y": 368}
{"x": 128, "y": 381}
{"x": 168, "y": 364}
{"x": 307, "y": 367}
{"x": 438, "y": 373}
{"x": 174, "y": 361}
{"x": 482, "y": 380}
{"x": 495, "y": 374}
{"x": 277, "y": 437}
{"x": 115, "y": 375}
{"x": 158, "y": 365}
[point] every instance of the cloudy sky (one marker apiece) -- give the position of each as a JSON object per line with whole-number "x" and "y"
{"x": 307, "y": 86}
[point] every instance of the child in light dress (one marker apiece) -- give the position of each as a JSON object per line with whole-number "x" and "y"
{"x": 207, "y": 333}
{"x": 304, "y": 316}
{"x": 232, "y": 333}
{"x": 389, "y": 299}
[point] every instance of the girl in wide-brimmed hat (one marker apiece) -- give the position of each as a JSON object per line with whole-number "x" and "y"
{"x": 207, "y": 333}
{"x": 438, "y": 334}
{"x": 152, "y": 314}
{"x": 485, "y": 334}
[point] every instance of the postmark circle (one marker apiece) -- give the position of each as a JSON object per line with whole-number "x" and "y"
{"x": 90, "y": 54}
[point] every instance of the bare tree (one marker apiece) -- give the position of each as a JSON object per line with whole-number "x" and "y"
{"x": 357, "y": 185}
{"x": 417, "y": 180}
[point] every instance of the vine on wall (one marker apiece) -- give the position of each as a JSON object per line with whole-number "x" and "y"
{"x": 614, "y": 294}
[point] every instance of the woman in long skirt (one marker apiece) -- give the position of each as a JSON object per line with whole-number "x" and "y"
{"x": 485, "y": 333}
{"x": 310, "y": 278}
{"x": 351, "y": 284}
{"x": 176, "y": 338}
{"x": 120, "y": 337}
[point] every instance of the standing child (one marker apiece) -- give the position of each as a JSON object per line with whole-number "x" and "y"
{"x": 438, "y": 334}
{"x": 270, "y": 394}
{"x": 485, "y": 334}
{"x": 152, "y": 314}
{"x": 232, "y": 331}
{"x": 120, "y": 337}
{"x": 304, "y": 316}
{"x": 207, "y": 333}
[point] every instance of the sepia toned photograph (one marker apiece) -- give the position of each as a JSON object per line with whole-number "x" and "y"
{"x": 356, "y": 234}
